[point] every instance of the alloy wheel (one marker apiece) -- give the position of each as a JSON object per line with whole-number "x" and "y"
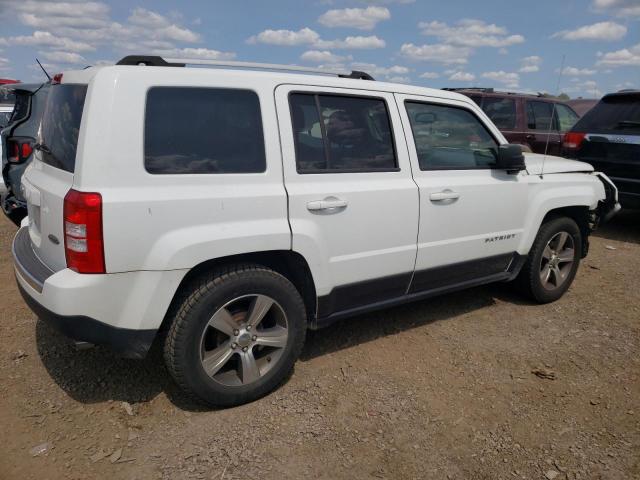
{"x": 243, "y": 340}
{"x": 557, "y": 260}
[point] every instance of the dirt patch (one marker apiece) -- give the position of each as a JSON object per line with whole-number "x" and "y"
{"x": 474, "y": 385}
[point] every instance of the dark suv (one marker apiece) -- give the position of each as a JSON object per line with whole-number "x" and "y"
{"x": 535, "y": 121}
{"x": 18, "y": 142}
{"x": 608, "y": 137}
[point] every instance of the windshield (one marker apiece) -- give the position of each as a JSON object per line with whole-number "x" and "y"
{"x": 61, "y": 125}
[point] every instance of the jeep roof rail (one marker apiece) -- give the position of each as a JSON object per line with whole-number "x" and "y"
{"x": 157, "y": 61}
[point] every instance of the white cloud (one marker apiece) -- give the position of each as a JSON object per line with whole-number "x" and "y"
{"x": 395, "y": 71}
{"x": 76, "y": 27}
{"x": 462, "y": 77}
{"x": 508, "y": 79}
{"x": 64, "y": 57}
{"x": 587, "y": 88}
{"x": 619, "y": 8}
{"x": 360, "y": 18}
{"x": 603, "y": 31}
{"x": 399, "y": 79}
{"x": 324, "y": 56}
{"x": 47, "y": 39}
{"x": 577, "y": 71}
{"x": 438, "y": 53}
{"x": 304, "y": 36}
{"x": 195, "y": 53}
{"x": 430, "y": 75}
{"x": 530, "y": 64}
{"x": 470, "y": 33}
{"x": 354, "y": 43}
{"x": 621, "y": 58}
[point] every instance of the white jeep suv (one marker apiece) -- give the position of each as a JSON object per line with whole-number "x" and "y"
{"x": 225, "y": 211}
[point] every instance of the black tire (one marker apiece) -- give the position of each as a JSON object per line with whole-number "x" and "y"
{"x": 191, "y": 313}
{"x": 529, "y": 280}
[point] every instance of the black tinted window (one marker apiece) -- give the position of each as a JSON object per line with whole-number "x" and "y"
{"x": 61, "y": 125}
{"x": 203, "y": 130}
{"x": 21, "y": 108}
{"x": 618, "y": 113}
{"x": 341, "y": 133}
{"x": 449, "y": 138}
{"x": 501, "y": 111}
{"x": 539, "y": 115}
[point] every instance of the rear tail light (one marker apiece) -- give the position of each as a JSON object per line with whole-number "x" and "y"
{"x": 19, "y": 149}
{"x": 83, "y": 242}
{"x": 573, "y": 140}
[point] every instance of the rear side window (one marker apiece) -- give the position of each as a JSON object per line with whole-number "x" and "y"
{"x": 450, "y": 138}
{"x": 203, "y": 130}
{"x": 501, "y": 111}
{"x": 61, "y": 125}
{"x": 539, "y": 115}
{"x": 565, "y": 117}
{"x": 617, "y": 113}
{"x": 338, "y": 133}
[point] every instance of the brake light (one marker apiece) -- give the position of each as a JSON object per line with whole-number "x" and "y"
{"x": 57, "y": 78}
{"x": 573, "y": 140}
{"x": 83, "y": 241}
{"x": 19, "y": 149}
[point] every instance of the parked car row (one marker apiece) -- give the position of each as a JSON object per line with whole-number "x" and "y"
{"x": 287, "y": 201}
{"x": 535, "y": 121}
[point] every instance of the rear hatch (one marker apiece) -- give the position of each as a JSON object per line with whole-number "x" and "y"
{"x": 50, "y": 176}
{"x": 608, "y": 137}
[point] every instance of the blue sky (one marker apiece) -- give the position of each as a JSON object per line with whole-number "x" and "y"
{"x": 516, "y": 44}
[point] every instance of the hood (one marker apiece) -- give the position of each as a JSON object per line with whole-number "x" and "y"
{"x": 552, "y": 164}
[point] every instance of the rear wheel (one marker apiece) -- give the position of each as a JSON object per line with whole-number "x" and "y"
{"x": 553, "y": 260}
{"x": 236, "y": 335}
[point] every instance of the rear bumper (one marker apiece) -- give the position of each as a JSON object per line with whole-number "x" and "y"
{"x": 122, "y": 311}
{"x": 125, "y": 342}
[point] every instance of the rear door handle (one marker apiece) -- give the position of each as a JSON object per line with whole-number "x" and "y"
{"x": 529, "y": 136}
{"x": 444, "y": 195}
{"x": 331, "y": 204}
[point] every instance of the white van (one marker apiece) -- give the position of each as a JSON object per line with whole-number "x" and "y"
{"x": 233, "y": 208}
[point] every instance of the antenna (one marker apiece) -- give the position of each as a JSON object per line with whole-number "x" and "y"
{"x": 45, "y": 72}
{"x": 553, "y": 114}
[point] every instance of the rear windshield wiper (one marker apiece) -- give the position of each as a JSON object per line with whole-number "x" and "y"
{"x": 43, "y": 148}
{"x": 628, "y": 123}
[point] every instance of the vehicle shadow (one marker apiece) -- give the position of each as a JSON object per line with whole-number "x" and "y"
{"x": 97, "y": 375}
{"x": 371, "y": 326}
{"x": 624, "y": 227}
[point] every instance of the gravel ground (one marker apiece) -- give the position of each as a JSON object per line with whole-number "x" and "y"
{"x": 473, "y": 385}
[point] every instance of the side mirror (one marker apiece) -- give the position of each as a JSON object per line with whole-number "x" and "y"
{"x": 510, "y": 158}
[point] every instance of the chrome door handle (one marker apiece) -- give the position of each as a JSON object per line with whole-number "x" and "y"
{"x": 326, "y": 204}
{"x": 444, "y": 195}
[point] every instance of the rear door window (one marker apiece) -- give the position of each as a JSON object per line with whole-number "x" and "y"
{"x": 501, "y": 111}
{"x": 614, "y": 114}
{"x": 340, "y": 133}
{"x": 191, "y": 130}
{"x": 539, "y": 115}
{"x": 61, "y": 125}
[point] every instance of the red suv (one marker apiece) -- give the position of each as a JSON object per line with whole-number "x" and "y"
{"x": 535, "y": 121}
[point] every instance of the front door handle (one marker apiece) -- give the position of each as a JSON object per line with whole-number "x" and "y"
{"x": 330, "y": 204}
{"x": 444, "y": 195}
{"x": 530, "y": 136}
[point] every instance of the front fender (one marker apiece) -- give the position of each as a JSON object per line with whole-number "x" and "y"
{"x": 556, "y": 191}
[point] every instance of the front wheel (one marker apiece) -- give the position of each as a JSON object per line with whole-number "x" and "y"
{"x": 553, "y": 260}
{"x": 236, "y": 335}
